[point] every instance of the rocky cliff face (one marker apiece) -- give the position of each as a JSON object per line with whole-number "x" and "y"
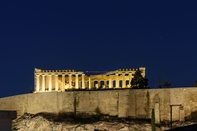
{"x": 48, "y": 122}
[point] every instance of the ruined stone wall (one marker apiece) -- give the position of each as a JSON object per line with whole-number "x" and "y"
{"x": 123, "y": 103}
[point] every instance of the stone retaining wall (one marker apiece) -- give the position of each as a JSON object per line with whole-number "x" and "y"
{"x": 134, "y": 103}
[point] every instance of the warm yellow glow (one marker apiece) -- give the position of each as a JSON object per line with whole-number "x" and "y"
{"x": 61, "y": 80}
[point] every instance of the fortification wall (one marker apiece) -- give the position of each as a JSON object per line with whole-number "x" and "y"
{"x": 123, "y": 103}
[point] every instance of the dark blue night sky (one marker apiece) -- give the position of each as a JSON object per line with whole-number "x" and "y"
{"x": 96, "y": 35}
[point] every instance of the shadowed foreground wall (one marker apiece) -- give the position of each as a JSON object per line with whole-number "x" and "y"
{"x": 123, "y": 103}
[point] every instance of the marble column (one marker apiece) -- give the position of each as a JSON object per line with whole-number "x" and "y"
{"x": 37, "y": 89}
{"x": 50, "y": 82}
{"x": 89, "y": 83}
{"x": 123, "y": 81}
{"x": 110, "y": 83}
{"x": 130, "y": 77}
{"x": 70, "y": 81}
{"x": 83, "y": 83}
{"x": 117, "y": 81}
{"x": 98, "y": 84}
{"x": 56, "y": 82}
{"x": 43, "y": 82}
{"x": 76, "y": 81}
{"x": 92, "y": 84}
{"x": 86, "y": 84}
{"x": 80, "y": 84}
{"x": 105, "y": 84}
{"x": 63, "y": 82}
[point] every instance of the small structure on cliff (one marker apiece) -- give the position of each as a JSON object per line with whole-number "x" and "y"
{"x": 61, "y": 80}
{"x": 6, "y": 118}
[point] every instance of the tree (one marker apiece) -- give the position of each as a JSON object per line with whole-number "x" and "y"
{"x": 138, "y": 80}
{"x": 167, "y": 84}
{"x": 160, "y": 82}
{"x": 195, "y": 83}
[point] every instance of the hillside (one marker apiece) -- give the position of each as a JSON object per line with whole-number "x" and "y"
{"x": 50, "y": 122}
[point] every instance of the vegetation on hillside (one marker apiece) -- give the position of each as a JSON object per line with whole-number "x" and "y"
{"x": 160, "y": 82}
{"x": 167, "y": 84}
{"x": 138, "y": 81}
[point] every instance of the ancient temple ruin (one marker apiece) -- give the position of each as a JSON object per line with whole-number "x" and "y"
{"x": 62, "y": 80}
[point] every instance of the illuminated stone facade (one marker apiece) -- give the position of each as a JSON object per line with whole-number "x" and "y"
{"x": 61, "y": 80}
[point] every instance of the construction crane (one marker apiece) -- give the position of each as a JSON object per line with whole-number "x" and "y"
{"x": 100, "y": 72}
{"x": 96, "y": 71}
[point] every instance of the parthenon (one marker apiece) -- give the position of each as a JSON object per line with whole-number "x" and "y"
{"x": 62, "y": 80}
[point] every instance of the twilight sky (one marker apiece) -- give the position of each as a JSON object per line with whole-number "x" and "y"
{"x": 99, "y": 35}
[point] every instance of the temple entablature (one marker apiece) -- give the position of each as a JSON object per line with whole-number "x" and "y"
{"x": 40, "y": 71}
{"x": 62, "y": 80}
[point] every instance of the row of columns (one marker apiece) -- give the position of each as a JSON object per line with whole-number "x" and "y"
{"x": 111, "y": 83}
{"x": 117, "y": 81}
{"x": 123, "y": 80}
{"x": 41, "y": 86}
